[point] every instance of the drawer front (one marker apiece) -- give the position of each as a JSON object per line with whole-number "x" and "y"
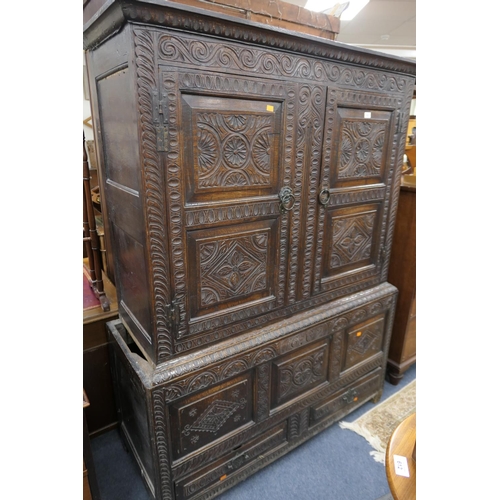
{"x": 348, "y": 398}
{"x": 207, "y": 416}
{"x": 299, "y": 371}
{"x": 363, "y": 341}
{"x": 226, "y": 466}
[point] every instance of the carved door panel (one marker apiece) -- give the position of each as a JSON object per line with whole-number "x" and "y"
{"x": 358, "y": 157}
{"x": 229, "y": 188}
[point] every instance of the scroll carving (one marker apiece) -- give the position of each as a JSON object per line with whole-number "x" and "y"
{"x": 241, "y": 58}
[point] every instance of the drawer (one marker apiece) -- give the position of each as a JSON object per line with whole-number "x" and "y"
{"x": 363, "y": 341}
{"x": 225, "y": 467}
{"x": 344, "y": 401}
{"x": 205, "y": 417}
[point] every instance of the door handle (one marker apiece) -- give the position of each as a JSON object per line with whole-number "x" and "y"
{"x": 287, "y": 199}
{"x": 324, "y": 196}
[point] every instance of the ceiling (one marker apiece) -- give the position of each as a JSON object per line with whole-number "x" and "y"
{"x": 383, "y": 25}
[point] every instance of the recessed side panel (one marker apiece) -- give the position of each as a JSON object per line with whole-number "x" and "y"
{"x": 132, "y": 286}
{"x": 119, "y": 129}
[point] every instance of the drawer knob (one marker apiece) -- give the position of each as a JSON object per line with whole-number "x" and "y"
{"x": 238, "y": 462}
{"x": 350, "y": 396}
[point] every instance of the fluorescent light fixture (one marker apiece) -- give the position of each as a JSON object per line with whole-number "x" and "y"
{"x": 351, "y": 12}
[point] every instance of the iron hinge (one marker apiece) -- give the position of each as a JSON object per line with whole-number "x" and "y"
{"x": 160, "y": 119}
{"x": 399, "y": 126}
{"x": 172, "y": 312}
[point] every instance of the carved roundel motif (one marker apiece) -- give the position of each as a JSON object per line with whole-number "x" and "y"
{"x": 235, "y": 151}
{"x": 363, "y": 150}
{"x": 303, "y": 372}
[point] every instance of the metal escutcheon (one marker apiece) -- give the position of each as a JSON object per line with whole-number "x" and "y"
{"x": 324, "y": 197}
{"x": 287, "y": 199}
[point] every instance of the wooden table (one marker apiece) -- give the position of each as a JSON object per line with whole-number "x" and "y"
{"x": 403, "y": 443}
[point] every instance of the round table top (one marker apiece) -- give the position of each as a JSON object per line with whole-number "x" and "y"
{"x": 403, "y": 444}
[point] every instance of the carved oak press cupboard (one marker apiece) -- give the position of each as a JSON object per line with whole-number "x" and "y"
{"x": 251, "y": 178}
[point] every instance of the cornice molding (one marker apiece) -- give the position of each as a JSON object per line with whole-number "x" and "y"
{"x": 115, "y": 13}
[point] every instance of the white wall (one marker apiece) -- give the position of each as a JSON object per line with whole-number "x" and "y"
{"x": 89, "y": 133}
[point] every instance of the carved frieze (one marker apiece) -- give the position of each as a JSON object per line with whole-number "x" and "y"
{"x": 185, "y": 50}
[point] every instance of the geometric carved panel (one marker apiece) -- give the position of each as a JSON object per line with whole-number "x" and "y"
{"x": 364, "y": 341}
{"x": 205, "y": 417}
{"x": 361, "y": 148}
{"x": 231, "y": 145}
{"x": 299, "y": 371}
{"x": 233, "y": 267}
{"x": 351, "y": 239}
{"x": 232, "y": 150}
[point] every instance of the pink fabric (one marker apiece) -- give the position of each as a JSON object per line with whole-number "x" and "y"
{"x": 89, "y": 299}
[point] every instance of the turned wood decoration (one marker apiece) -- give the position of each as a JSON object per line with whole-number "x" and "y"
{"x": 250, "y": 175}
{"x": 91, "y": 238}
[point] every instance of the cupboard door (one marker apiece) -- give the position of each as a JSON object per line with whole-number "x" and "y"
{"x": 230, "y": 192}
{"x": 359, "y": 153}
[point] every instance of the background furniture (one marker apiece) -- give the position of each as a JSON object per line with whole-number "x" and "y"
{"x": 248, "y": 173}
{"x": 402, "y": 274}
{"x": 91, "y": 238}
{"x": 101, "y": 415}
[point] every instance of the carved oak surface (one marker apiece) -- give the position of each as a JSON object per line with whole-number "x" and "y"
{"x": 234, "y": 140}
{"x": 212, "y": 414}
{"x": 263, "y": 171}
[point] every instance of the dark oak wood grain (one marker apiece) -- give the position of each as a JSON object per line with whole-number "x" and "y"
{"x": 250, "y": 179}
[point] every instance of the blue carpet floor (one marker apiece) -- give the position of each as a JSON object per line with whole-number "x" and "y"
{"x": 334, "y": 465}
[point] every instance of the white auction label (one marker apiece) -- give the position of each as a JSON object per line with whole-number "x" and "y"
{"x": 401, "y": 466}
{"x": 368, "y": 114}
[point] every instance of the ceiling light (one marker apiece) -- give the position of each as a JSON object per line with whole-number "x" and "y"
{"x": 355, "y": 6}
